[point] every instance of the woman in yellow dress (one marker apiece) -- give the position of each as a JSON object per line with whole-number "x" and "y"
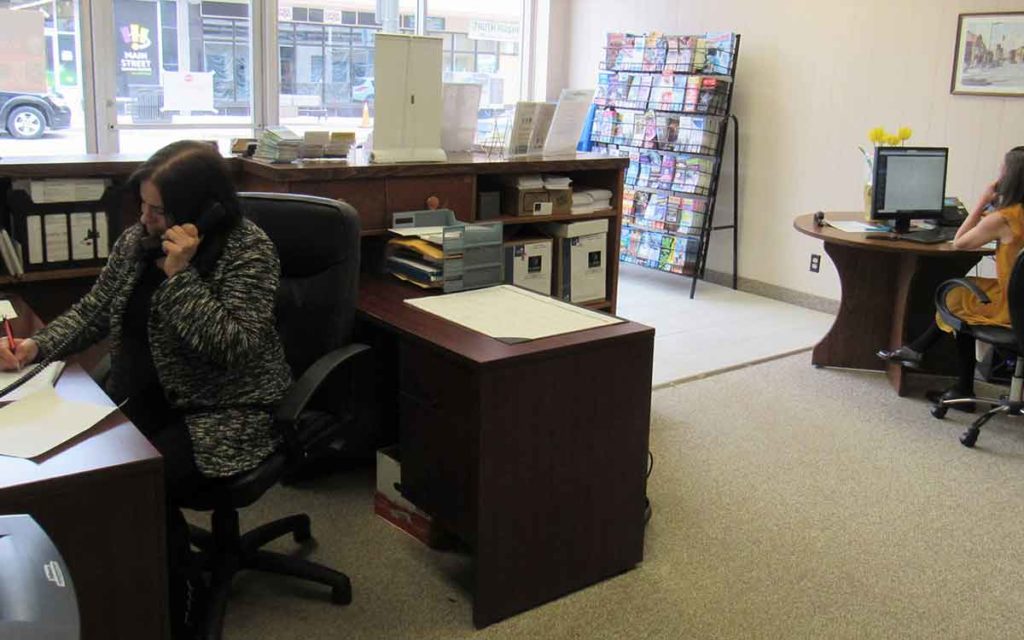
{"x": 999, "y": 216}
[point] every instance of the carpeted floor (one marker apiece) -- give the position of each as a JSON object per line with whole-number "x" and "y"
{"x": 719, "y": 329}
{"x": 789, "y": 502}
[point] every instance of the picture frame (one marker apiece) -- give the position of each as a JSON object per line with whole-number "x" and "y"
{"x": 989, "y": 56}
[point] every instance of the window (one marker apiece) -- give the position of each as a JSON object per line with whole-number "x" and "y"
{"x": 182, "y": 69}
{"x": 42, "y": 51}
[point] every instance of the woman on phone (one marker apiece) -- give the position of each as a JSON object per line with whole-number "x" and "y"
{"x": 998, "y": 216}
{"x": 187, "y": 301}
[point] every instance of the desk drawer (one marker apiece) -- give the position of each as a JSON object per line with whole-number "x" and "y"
{"x": 439, "y": 427}
{"x": 451, "y": 192}
{"x": 367, "y": 196}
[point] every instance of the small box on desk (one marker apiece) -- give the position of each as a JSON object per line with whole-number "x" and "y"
{"x": 581, "y": 250}
{"x": 516, "y": 201}
{"x": 528, "y": 263}
{"x": 389, "y": 504}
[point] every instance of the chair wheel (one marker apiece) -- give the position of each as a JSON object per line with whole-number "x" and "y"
{"x": 342, "y": 593}
{"x": 939, "y": 411}
{"x": 970, "y": 437}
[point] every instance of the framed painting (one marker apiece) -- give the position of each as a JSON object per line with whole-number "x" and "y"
{"x": 989, "y": 55}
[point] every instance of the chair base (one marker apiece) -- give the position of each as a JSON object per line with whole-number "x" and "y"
{"x": 1011, "y": 405}
{"x": 224, "y": 552}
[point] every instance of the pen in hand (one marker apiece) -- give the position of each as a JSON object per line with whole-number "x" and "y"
{"x": 10, "y": 336}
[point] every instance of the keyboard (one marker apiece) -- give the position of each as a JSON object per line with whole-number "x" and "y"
{"x": 930, "y": 236}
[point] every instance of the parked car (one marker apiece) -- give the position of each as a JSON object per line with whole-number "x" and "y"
{"x": 363, "y": 90}
{"x": 28, "y": 115}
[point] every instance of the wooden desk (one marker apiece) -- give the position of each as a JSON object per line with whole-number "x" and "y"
{"x": 100, "y": 498}
{"x": 376, "y": 191}
{"x": 888, "y": 290}
{"x": 535, "y": 453}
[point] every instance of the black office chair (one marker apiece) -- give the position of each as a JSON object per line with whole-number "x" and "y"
{"x": 1008, "y": 339}
{"x": 317, "y": 240}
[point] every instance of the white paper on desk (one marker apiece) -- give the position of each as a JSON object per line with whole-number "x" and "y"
{"x": 33, "y": 425}
{"x": 7, "y": 310}
{"x": 42, "y": 380}
{"x": 854, "y": 226}
{"x": 512, "y": 314}
{"x": 567, "y": 123}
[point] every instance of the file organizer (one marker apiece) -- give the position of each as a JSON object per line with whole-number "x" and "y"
{"x": 473, "y": 253}
{"x": 63, "y": 235}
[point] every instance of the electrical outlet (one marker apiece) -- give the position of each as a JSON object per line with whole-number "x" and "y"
{"x": 815, "y": 262}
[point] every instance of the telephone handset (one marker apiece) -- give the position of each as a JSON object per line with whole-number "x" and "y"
{"x": 210, "y": 218}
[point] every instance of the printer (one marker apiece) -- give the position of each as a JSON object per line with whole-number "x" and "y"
{"x": 37, "y": 597}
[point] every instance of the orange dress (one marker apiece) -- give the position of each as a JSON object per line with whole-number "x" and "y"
{"x": 966, "y": 306}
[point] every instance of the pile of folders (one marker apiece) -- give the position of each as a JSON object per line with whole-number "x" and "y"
{"x": 416, "y": 260}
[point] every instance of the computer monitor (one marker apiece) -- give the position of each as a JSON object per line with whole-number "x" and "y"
{"x": 909, "y": 183}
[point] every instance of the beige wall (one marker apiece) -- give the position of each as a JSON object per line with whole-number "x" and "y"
{"x": 813, "y": 77}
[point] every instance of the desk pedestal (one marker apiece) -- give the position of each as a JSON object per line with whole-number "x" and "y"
{"x": 887, "y": 300}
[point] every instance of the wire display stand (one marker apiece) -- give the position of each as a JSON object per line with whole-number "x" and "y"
{"x": 665, "y": 101}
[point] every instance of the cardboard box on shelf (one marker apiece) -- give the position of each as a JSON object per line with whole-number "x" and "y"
{"x": 528, "y": 263}
{"x": 581, "y": 252}
{"x": 561, "y": 201}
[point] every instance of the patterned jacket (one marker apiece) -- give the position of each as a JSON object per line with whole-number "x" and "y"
{"x": 216, "y": 352}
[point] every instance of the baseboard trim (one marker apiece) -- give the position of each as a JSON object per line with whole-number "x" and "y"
{"x": 775, "y": 292}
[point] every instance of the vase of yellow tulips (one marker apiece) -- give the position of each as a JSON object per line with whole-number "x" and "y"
{"x": 879, "y": 138}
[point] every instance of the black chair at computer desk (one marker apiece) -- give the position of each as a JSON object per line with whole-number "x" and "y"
{"x": 317, "y": 240}
{"x": 1009, "y": 339}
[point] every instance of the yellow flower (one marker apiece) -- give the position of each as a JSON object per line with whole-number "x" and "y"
{"x": 892, "y": 141}
{"x": 876, "y": 135}
{"x": 905, "y": 134}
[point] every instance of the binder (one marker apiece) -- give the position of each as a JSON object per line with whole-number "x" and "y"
{"x": 60, "y": 234}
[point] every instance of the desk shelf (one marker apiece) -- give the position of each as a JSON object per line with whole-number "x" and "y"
{"x": 55, "y": 274}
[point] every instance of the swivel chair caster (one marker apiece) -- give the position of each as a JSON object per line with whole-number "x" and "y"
{"x": 970, "y": 436}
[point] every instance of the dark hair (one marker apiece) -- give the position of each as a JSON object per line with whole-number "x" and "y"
{"x": 190, "y": 176}
{"x": 1010, "y": 190}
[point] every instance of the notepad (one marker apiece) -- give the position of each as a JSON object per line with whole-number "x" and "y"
{"x": 44, "y": 420}
{"x": 43, "y": 380}
{"x": 512, "y": 314}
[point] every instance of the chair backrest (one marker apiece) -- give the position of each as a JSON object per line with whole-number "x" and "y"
{"x": 1015, "y": 298}
{"x": 317, "y": 241}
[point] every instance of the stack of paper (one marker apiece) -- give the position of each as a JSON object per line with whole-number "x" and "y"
{"x": 44, "y": 420}
{"x": 557, "y": 182}
{"x": 417, "y": 259}
{"x": 591, "y": 200}
{"x": 339, "y": 144}
{"x": 278, "y": 144}
{"x": 529, "y": 182}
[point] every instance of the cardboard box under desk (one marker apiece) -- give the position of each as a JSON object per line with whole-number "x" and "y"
{"x": 391, "y": 505}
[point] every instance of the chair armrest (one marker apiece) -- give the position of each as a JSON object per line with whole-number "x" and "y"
{"x": 294, "y": 403}
{"x": 940, "y": 300}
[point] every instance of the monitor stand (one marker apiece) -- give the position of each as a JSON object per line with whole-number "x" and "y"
{"x": 901, "y": 225}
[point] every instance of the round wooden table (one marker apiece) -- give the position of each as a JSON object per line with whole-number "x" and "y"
{"x": 888, "y": 289}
